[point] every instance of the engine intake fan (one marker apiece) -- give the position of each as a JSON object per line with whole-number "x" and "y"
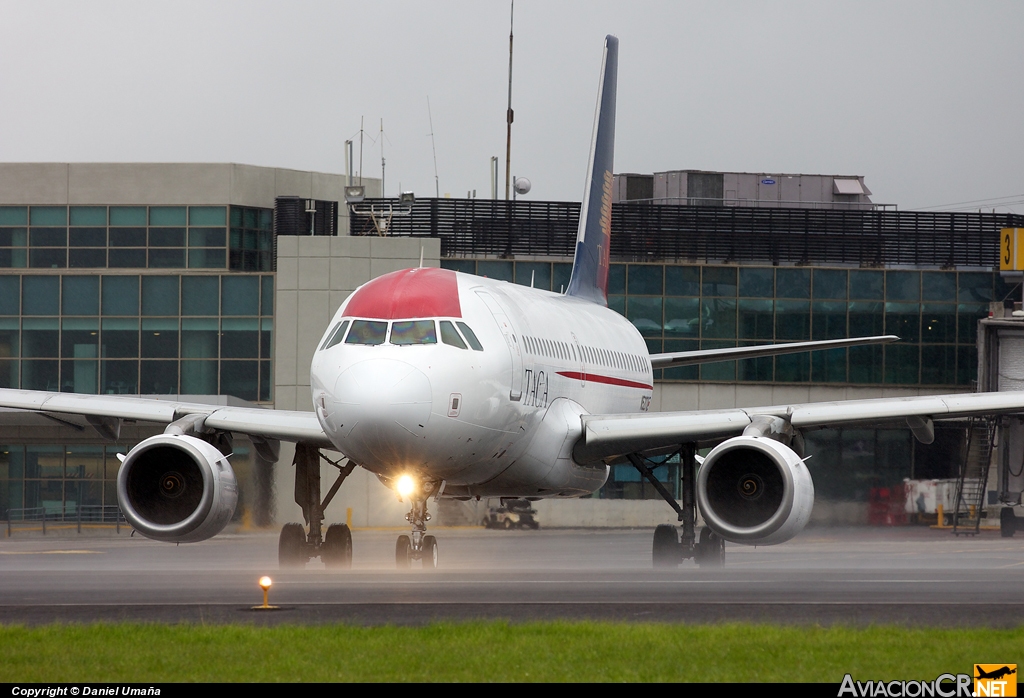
{"x": 754, "y": 490}
{"x": 176, "y": 488}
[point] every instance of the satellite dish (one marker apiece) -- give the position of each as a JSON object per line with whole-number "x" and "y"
{"x": 522, "y": 185}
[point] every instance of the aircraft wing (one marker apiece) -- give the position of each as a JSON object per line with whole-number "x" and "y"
{"x": 606, "y": 436}
{"x": 284, "y": 425}
{"x": 706, "y": 356}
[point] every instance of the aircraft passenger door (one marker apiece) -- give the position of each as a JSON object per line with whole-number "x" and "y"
{"x": 509, "y": 332}
{"x": 582, "y": 360}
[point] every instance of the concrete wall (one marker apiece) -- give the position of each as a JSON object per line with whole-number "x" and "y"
{"x": 648, "y": 513}
{"x": 624, "y": 513}
{"x": 749, "y": 188}
{"x": 173, "y": 183}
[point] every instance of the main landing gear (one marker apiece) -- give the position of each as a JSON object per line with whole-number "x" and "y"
{"x": 672, "y": 545}
{"x": 296, "y": 546}
{"x": 418, "y": 545}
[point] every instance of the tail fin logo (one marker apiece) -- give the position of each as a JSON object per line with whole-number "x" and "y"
{"x": 606, "y": 232}
{"x": 589, "y": 279}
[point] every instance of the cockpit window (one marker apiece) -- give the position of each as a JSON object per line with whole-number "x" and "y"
{"x": 470, "y": 337}
{"x": 449, "y": 335}
{"x": 413, "y": 332}
{"x": 336, "y": 336}
{"x": 367, "y": 332}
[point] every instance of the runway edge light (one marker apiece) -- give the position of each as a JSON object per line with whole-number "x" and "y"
{"x": 265, "y": 583}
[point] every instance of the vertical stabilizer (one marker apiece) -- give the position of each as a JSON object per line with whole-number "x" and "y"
{"x": 590, "y": 267}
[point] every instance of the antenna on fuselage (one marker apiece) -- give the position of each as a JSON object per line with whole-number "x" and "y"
{"x": 421, "y": 256}
{"x": 532, "y": 273}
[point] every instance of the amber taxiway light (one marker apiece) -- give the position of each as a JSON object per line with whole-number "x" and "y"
{"x": 265, "y": 583}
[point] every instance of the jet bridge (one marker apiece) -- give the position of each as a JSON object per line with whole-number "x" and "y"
{"x": 1001, "y": 368}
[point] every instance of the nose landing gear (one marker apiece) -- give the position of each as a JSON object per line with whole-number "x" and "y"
{"x": 418, "y": 545}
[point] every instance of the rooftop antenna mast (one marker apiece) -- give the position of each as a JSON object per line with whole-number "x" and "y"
{"x": 348, "y": 163}
{"x": 508, "y": 113}
{"x": 361, "y": 150}
{"x": 381, "y": 136}
{"x": 437, "y": 187}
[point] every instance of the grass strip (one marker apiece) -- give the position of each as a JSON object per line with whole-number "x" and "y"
{"x": 495, "y": 651}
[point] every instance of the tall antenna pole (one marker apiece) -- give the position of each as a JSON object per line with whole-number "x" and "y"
{"x": 348, "y": 163}
{"x": 508, "y": 113}
{"x": 437, "y": 186}
{"x": 381, "y": 136}
{"x": 361, "y": 151}
{"x": 494, "y": 177}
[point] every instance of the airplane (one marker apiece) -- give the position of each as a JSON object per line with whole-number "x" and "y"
{"x": 995, "y": 673}
{"x": 451, "y": 385}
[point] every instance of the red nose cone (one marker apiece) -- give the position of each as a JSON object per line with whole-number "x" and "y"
{"x": 409, "y": 293}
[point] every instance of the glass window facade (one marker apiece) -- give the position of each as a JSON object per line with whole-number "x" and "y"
{"x": 77, "y": 481}
{"x": 251, "y": 245}
{"x": 682, "y": 307}
{"x": 136, "y": 237}
{"x": 846, "y": 464}
{"x": 138, "y": 333}
{"x": 59, "y": 479}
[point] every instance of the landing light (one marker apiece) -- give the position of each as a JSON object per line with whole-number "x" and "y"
{"x": 406, "y": 486}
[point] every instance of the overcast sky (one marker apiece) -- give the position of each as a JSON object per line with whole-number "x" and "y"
{"x": 924, "y": 99}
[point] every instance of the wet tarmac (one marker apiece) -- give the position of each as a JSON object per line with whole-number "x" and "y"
{"x": 856, "y": 576}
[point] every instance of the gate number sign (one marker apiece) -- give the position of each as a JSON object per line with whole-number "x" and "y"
{"x": 1011, "y": 249}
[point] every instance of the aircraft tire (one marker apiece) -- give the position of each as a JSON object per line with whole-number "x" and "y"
{"x": 1007, "y": 522}
{"x": 710, "y": 549}
{"x": 665, "y": 552}
{"x": 429, "y": 553}
{"x": 337, "y": 549}
{"x": 290, "y": 552}
{"x": 403, "y": 552}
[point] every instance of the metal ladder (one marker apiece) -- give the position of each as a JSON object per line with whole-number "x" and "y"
{"x": 970, "y": 490}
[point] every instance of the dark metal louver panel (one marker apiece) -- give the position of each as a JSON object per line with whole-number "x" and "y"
{"x": 643, "y": 232}
{"x": 290, "y": 217}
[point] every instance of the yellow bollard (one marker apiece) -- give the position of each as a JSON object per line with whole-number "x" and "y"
{"x": 348, "y": 518}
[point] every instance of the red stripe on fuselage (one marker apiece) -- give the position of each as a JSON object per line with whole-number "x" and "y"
{"x": 409, "y": 293}
{"x": 607, "y": 380}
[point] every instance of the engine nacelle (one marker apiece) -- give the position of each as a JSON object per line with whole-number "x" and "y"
{"x": 176, "y": 488}
{"x": 754, "y": 490}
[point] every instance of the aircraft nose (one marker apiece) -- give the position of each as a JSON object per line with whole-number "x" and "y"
{"x": 381, "y": 408}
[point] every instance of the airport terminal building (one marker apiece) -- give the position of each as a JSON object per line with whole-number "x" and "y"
{"x": 219, "y": 280}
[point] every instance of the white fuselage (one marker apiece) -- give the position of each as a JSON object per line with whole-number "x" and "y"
{"x": 499, "y": 421}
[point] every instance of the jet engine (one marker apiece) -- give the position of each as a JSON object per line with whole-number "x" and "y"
{"x": 176, "y": 488}
{"x": 754, "y": 490}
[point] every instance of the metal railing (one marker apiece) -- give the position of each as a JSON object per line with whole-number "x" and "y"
{"x": 91, "y": 515}
{"x": 707, "y": 234}
{"x": 760, "y": 203}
